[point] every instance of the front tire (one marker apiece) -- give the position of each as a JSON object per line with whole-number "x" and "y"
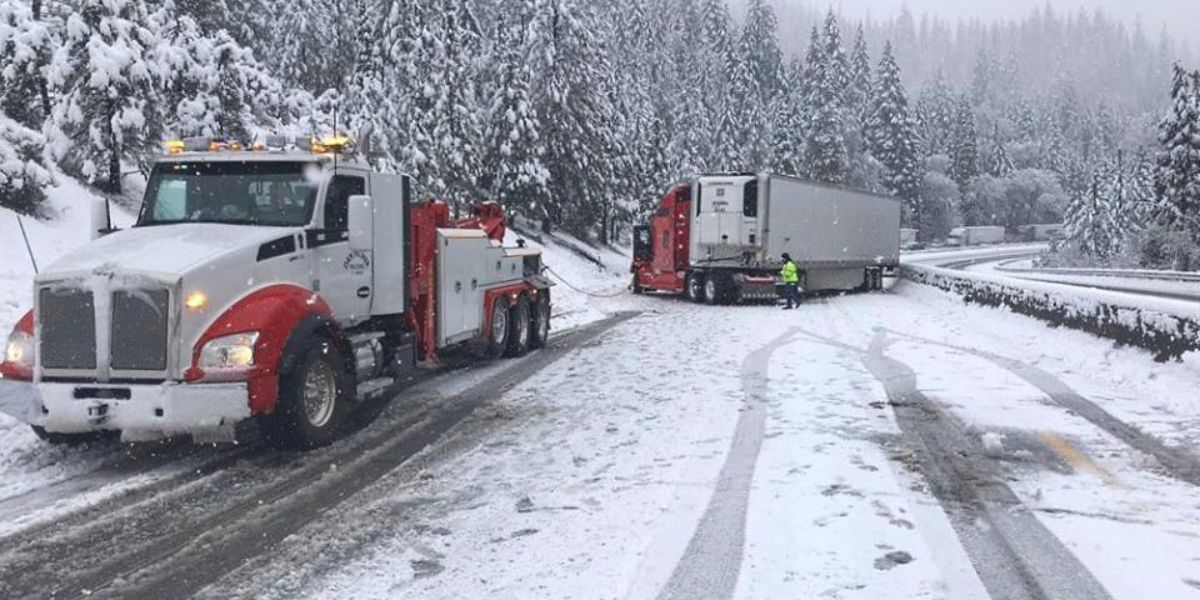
{"x": 520, "y": 325}
{"x": 314, "y": 397}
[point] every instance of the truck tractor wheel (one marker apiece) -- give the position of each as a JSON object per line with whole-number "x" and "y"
{"x": 520, "y": 327}
{"x": 497, "y": 336}
{"x": 695, "y": 287}
{"x": 714, "y": 291}
{"x": 539, "y": 334}
{"x": 314, "y": 397}
{"x": 637, "y": 288}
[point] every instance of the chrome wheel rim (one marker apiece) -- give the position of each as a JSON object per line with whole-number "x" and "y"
{"x": 710, "y": 289}
{"x": 320, "y": 394}
{"x": 499, "y": 324}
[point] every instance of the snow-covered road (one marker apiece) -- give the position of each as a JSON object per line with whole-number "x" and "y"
{"x": 893, "y": 445}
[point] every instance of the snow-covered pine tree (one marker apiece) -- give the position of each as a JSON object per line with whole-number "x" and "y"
{"x": 23, "y": 174}
{"x": 26, "y": 44}
{"x": 964, "y": 151}
{"x": 716, "y": 43}
{"x": 448, "y": 106}
{"x": 833, "y": 53}
{"x": 936, "y": 108}
{"x": 572, "y": 70}
{"x": 371, "y": 104}
{"x": 1090, "y": 224}
{"x": 859, "y": 94}
{"x": 210, "y": 84}
{"x": 1177, "y": 180}
{"x": 892, "y": 138}
{"x": 826, "y": 156}
{"x": 693, "y": 127}
{"x": 1001, "y": 164}
{"x": 981, "y": 79}
{"x": 514, "y": 174}
{"x": 787, "y": 116}
{"x": 751, "y": 134}
{"x": 759, "y": 47}
{"x": 108, "y": 110}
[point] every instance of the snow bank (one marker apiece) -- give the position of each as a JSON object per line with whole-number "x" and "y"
{"x": 1168, "y": 328}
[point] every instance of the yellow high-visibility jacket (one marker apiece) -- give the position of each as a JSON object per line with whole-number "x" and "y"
{"x": 790, "y": 273}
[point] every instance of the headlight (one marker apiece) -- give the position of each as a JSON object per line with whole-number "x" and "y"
{"x": 19, "y": 349}
{"x": 229, "y": 352}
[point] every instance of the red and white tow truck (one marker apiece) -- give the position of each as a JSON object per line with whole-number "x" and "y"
{"x": 286, "y": 284}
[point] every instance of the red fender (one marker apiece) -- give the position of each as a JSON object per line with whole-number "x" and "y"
{"x": 508, "y": 295}
{"x": 13, "y": 371}
{"x": 273, "y": 312}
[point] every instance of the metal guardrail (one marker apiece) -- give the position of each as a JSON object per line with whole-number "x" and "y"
{"x": 1118, "y": 273}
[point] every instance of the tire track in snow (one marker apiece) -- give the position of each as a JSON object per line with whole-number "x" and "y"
{"x": 712, "y": 561}
{"x": 1178, "y": 462}
{"x": 1014, "y": 554}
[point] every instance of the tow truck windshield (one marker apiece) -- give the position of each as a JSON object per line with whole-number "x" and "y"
{"x": 239, "y": 193}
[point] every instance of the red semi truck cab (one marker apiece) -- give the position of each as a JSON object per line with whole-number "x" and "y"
{"x": 286, "y": 285}
{"x": 661, "y": 249}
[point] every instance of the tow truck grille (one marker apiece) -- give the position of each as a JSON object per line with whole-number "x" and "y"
{"x": 139, "y": 330}
{"x": 68, "y": 328}
{"x": 139, "y": 321}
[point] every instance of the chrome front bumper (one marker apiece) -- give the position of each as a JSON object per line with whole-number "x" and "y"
{"x": 140, "y": 412}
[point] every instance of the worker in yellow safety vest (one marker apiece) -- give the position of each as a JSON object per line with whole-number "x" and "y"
{"x": 790, "y": 274}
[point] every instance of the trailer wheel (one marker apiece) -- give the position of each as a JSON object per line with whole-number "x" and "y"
{"x": 498, "y": 334}
{"x": 695, "y": 287}
{"x": 539, "y": 333}
{"x": 520, "y": 327}
{"x": 314, "y": 397}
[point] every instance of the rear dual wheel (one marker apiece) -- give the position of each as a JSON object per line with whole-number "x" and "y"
{"x": 520, "y": 327}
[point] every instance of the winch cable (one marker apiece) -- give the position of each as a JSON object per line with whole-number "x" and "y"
{"x": 563, "y": 281}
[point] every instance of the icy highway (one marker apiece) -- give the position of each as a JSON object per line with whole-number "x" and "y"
{"x": 892, "y": 445}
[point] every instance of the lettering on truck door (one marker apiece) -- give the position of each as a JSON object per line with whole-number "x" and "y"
{"x": 343, "y": 276}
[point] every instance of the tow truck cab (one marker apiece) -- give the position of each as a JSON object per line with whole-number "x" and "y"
{"x": 286, "y": 285}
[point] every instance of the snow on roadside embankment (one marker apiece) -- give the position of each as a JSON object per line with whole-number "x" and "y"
{"x": 583, "y": 273}
{"x": 1168, "y": 328}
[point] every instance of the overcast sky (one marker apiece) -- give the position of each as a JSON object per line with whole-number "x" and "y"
{"x": 1182, "y": 17}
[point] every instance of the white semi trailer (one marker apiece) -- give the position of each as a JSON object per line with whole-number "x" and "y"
{"x": 721, "y": 238}
{"x": 975, "y": 236}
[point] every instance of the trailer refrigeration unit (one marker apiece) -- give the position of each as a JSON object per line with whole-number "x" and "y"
{"x": 285, "y": 284}
{"x": 720, "y": 239}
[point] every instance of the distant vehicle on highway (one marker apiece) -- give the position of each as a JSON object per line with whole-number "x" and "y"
{"x": 908, "y": 239}
{"x": 1042, "y": 232}
{"x": 975, "y": 236}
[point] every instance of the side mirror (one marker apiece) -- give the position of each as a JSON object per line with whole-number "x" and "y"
{"x": 99, "y": 218}
{"x": 361, "y": 220}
